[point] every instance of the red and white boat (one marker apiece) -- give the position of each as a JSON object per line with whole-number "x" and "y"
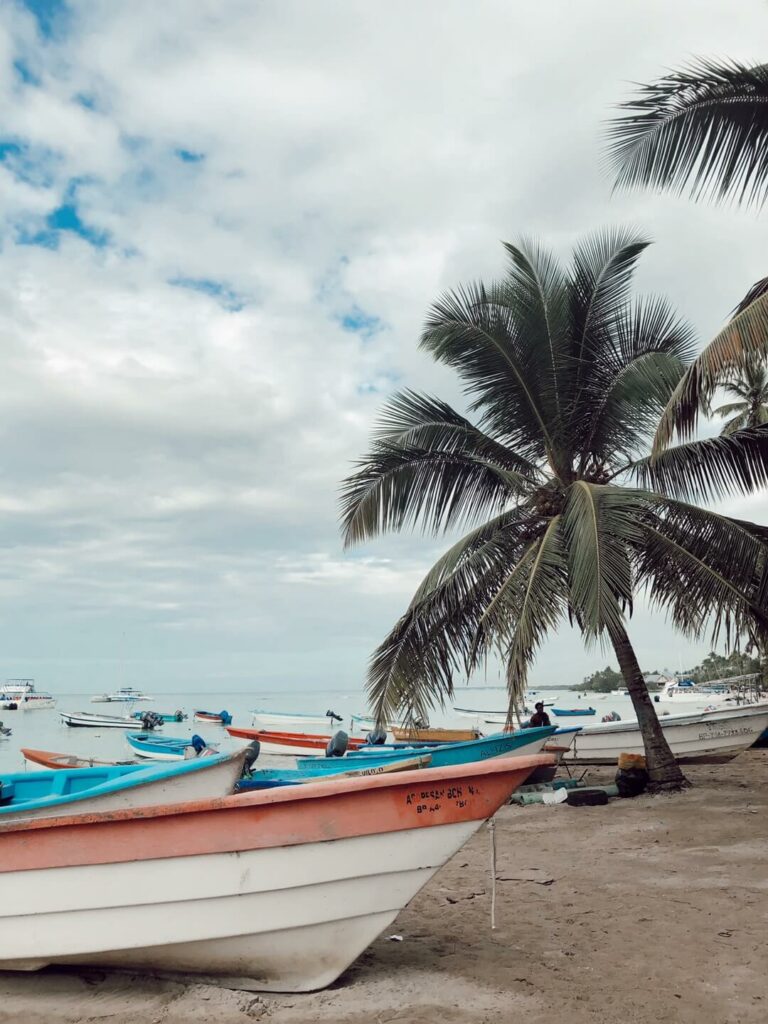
{"x": 292, "y": 743}
{"x": 276, "y": 890}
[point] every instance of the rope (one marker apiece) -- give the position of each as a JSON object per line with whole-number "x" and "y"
{"x": 492, "y": 834}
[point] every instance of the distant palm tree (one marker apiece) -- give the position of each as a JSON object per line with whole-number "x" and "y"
{"x": 703, "y": 129}
{"x": 566, "y": 377}
{"x": 750, "y": 389}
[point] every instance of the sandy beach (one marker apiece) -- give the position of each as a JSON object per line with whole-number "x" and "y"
{"x": 645, "y": 910}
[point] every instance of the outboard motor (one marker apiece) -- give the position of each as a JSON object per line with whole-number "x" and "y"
{"x": 376, "y": 737}
{"x": 226, "y": 718}
{"x": 149, "y": 721}
{"x": 179, "y": 716}
{"x": 338, "y": 744}
{"x": 333, "y": 716}
{"x": 198, "y": 744}
{"x": 421, "y": 723}
{"x": 252, "y": 752}
{"x": 4, "y": 731}
{"x": 613, "y": 716}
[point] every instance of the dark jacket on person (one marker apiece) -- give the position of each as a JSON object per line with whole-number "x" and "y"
{"x": 539, "y": 718}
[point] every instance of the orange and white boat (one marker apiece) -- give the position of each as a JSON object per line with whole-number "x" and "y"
{"x": 277, "y": 890}
{"x": 292, "y": 743}
{"x": 52, "y": 759}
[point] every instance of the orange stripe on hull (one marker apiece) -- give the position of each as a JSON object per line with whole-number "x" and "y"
{"x": 288, "y": 816}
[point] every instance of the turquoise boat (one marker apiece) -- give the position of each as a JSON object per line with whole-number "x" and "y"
{"x": 165, "y": 748}
{"x": 175, "y": 716}
{"x": 271, "y": 778}
{"x": 50, "y": 793}
{"x": 572, "y": 712}
{"x": 444, "y": 755}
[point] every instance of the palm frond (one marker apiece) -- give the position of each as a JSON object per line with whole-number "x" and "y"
{"x": 443, "y": 628}
{"x": 398, "y": 487}
{"x": 703, "y": 128}
{"x": 709, "y": 469}
{"x": 476, "y": 335}
{"x": 735, "y": 424}
{"x": 600, "y": 523}
{"x": 535, "y": 604}
{"x": 409, "y": 419}
{"x": 758, "y": 289}
{"x": 704, "y": 569}
{"x": 743, "y": 339}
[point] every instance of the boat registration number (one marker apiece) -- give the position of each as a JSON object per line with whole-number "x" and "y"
{"x": 430, "y": 801}
{"x": 720, "y": 734}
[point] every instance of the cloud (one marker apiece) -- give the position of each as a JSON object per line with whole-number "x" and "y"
{"x": 220, "y": 229}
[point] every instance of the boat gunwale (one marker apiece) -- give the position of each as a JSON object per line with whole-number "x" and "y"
{"x": 323, "y": 787}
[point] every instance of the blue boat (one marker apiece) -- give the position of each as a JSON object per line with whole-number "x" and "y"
{"x": 49, "y": 793}
{"x": 572, "y": 712}
{"x": 176, "y": 716}
{"x": 165, "y": 748}
{"x": 444, "y": 754}
{"x": 271, "y": 778}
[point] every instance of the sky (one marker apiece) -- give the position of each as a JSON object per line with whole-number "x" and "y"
{"x": 221, "y": 226}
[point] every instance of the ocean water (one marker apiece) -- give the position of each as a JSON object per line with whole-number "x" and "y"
{"x": 44, "y": 730}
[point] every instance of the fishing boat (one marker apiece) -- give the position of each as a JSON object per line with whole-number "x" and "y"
{"x": 269, "y": 778}
{"x": 524, "y": 741}
{"x": 292, "y": 743}
{"x": 125, "y": 695}
{"x": 217, "y": 717}
{"x": 707, "y": 737}
{"x": 290, "y": 721}
{"x": 429, "y": 735}
{"x": 572, "y": 712}
{"x": 168, "y": 716}
{"x": 279, "y": 890}
{"x": 51, "y": 759}
{"x": 86, "y": 720}
{"x": 26, "y": 796}
{"x": 166, "y": 748}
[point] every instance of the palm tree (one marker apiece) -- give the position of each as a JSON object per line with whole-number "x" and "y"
{"x": 567, "y": 516}
{"x": 750, "y": 389}
{"x": 703, "y": 129}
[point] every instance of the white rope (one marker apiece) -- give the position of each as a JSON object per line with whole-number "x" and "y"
{"x": 492, "y": 833}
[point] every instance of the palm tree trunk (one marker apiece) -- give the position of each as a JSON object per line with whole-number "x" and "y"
{"x": 664, "y": 771}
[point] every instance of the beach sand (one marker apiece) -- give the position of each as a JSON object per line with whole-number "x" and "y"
{"x": 645, "y": 910}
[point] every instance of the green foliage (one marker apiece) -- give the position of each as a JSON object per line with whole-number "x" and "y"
{"x": 602, "y": 681}
{"x": 724, "y": 666}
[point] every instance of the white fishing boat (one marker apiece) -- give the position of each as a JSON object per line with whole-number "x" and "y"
{"x": 291, "y": 721}
{"x": 87, "y": 720}
{"x": 276, "y": 890}
{"x": 708, "y": 737}
{"x": 125, "y": 695}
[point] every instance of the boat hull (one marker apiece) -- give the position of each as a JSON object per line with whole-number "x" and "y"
{"x": 274, "y": 721}
{"x": 86, "y": 720}
{"x": 206, "y": 781}
{"x": 273, "y": 891}
{"x": 712, "y": 737}
{"x": 52, "y": 759}
{"x": 435, "y": 735}
{"x": 291, "y": 744}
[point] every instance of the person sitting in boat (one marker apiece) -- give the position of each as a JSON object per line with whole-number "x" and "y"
{"x": 539, "y": 716}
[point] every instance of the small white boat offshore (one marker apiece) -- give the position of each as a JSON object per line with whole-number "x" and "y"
{"x": 290, "y": 721}
{"x": 87, "y": 720}
{"x": 125, "y": 695}
{"x": 706, "y": 737}
{"x": 276, "y": 890}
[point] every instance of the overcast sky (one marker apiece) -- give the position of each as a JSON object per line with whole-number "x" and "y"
{"x": 222, "y": 224}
